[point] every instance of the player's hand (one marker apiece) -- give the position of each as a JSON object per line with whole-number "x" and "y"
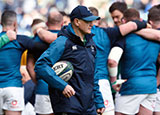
{"x": 148, "y": 25}
{"x": 117, "y": 84}
{"x": 100, "y": 110}
{"x": 116, "y": 87}
{"x": 68, "y": 91}
{"x": 11, "y": 35}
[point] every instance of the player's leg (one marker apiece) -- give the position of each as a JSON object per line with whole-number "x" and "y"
{"x": 148, "y": 105}
{"x": 157, "y": 106}
{"x": 144, "y": 111}
{"x": 12, "y": 112}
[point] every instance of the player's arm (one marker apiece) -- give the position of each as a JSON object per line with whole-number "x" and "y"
{"x": 30, "y": 67}
{"x": 131, "y": 26}
{"x": 9, "y": 36}
{"x": 46, "y": 36}
{"x": 113, "y": 61}
{"x": 43, "y": 67}
{"x": 117, "y": 33}
{"x": 30, "y": 44}
{"x": 150, "y": 34}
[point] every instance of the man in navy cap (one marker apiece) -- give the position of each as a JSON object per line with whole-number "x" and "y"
{"x": 74, "y": 44}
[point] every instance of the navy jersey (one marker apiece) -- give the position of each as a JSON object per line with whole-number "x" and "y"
{"x": 139, "y": 66}
{"x": 69, "y": 47}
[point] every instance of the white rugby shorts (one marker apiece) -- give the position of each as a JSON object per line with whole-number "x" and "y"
{"x": 12, "y": 99}
{"x": 43, "y": 104}
{"x": 130, "y": 104}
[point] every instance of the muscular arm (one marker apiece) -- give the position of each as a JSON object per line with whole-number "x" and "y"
{"x": 46, "y": 36}
{"x": 131, "y": 26}
{"x": 150, "y": 34}
{"x": 113, "y": 61}
{"x": 127, "y": 28}
{"x": 30, "y": 67}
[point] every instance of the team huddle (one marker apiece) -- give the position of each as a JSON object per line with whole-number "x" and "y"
{"x": 94, "y": 57}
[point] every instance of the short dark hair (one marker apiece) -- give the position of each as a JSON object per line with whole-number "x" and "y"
{"x": 64, "y": 13}
{"x": 153, "y": 14}
{"x": 36, "y": 21}
{"x": 94, "y": 11}
{"x": 121, "y": 6}
{"x": 8, "y": 17}
{"x": 131, "y": 14}
{"x": 154, "y": 7}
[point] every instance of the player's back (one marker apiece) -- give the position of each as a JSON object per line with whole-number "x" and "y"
{"x": 10, "y": 57}
{"x": 138, "y": 65}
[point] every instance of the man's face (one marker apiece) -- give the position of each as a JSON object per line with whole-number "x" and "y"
{"x": 85, "y": 27}
{"x": 117, "y": 17}
{"x": 66, "y": 20}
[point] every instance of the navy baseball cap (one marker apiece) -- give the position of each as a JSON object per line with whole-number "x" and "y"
{"x": 81, "y": 12}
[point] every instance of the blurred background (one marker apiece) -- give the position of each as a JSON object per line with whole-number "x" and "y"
{"x": 28, "y": 10}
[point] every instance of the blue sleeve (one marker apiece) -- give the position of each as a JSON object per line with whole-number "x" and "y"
{"x": 25, "y": 42}
{"x": 98, "y": 99}
{"x": 28, "y": 43}
{"x": 47, "y": 60}
{"x": 120, "y": 43}
{"x": 114, "y": 34}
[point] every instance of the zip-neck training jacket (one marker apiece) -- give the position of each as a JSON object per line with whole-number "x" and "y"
{"x": 70, "y": 48}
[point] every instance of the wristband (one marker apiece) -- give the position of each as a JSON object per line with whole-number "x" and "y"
{"x": 119, "y": 81}
{"x": 113, "y": 71}
{"x": 4, "y": 40}
{"x": 140, "y": 24}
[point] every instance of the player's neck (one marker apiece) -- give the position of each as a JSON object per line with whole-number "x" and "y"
{"x": 54, "y": 27}
{"x": 6, "y": 28}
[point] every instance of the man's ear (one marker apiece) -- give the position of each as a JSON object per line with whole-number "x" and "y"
{"x": 15, "y": 25}
{"x": 150, "y": 22}
{"x": 124, "y": 20}
{"x": 76, "y": 22}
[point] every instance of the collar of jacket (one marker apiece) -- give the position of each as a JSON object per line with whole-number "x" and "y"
{"x": 68, "y": 32}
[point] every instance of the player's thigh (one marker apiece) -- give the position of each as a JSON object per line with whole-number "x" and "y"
{"x": 12, "y": 113}
{"x": 148, "y": 104}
